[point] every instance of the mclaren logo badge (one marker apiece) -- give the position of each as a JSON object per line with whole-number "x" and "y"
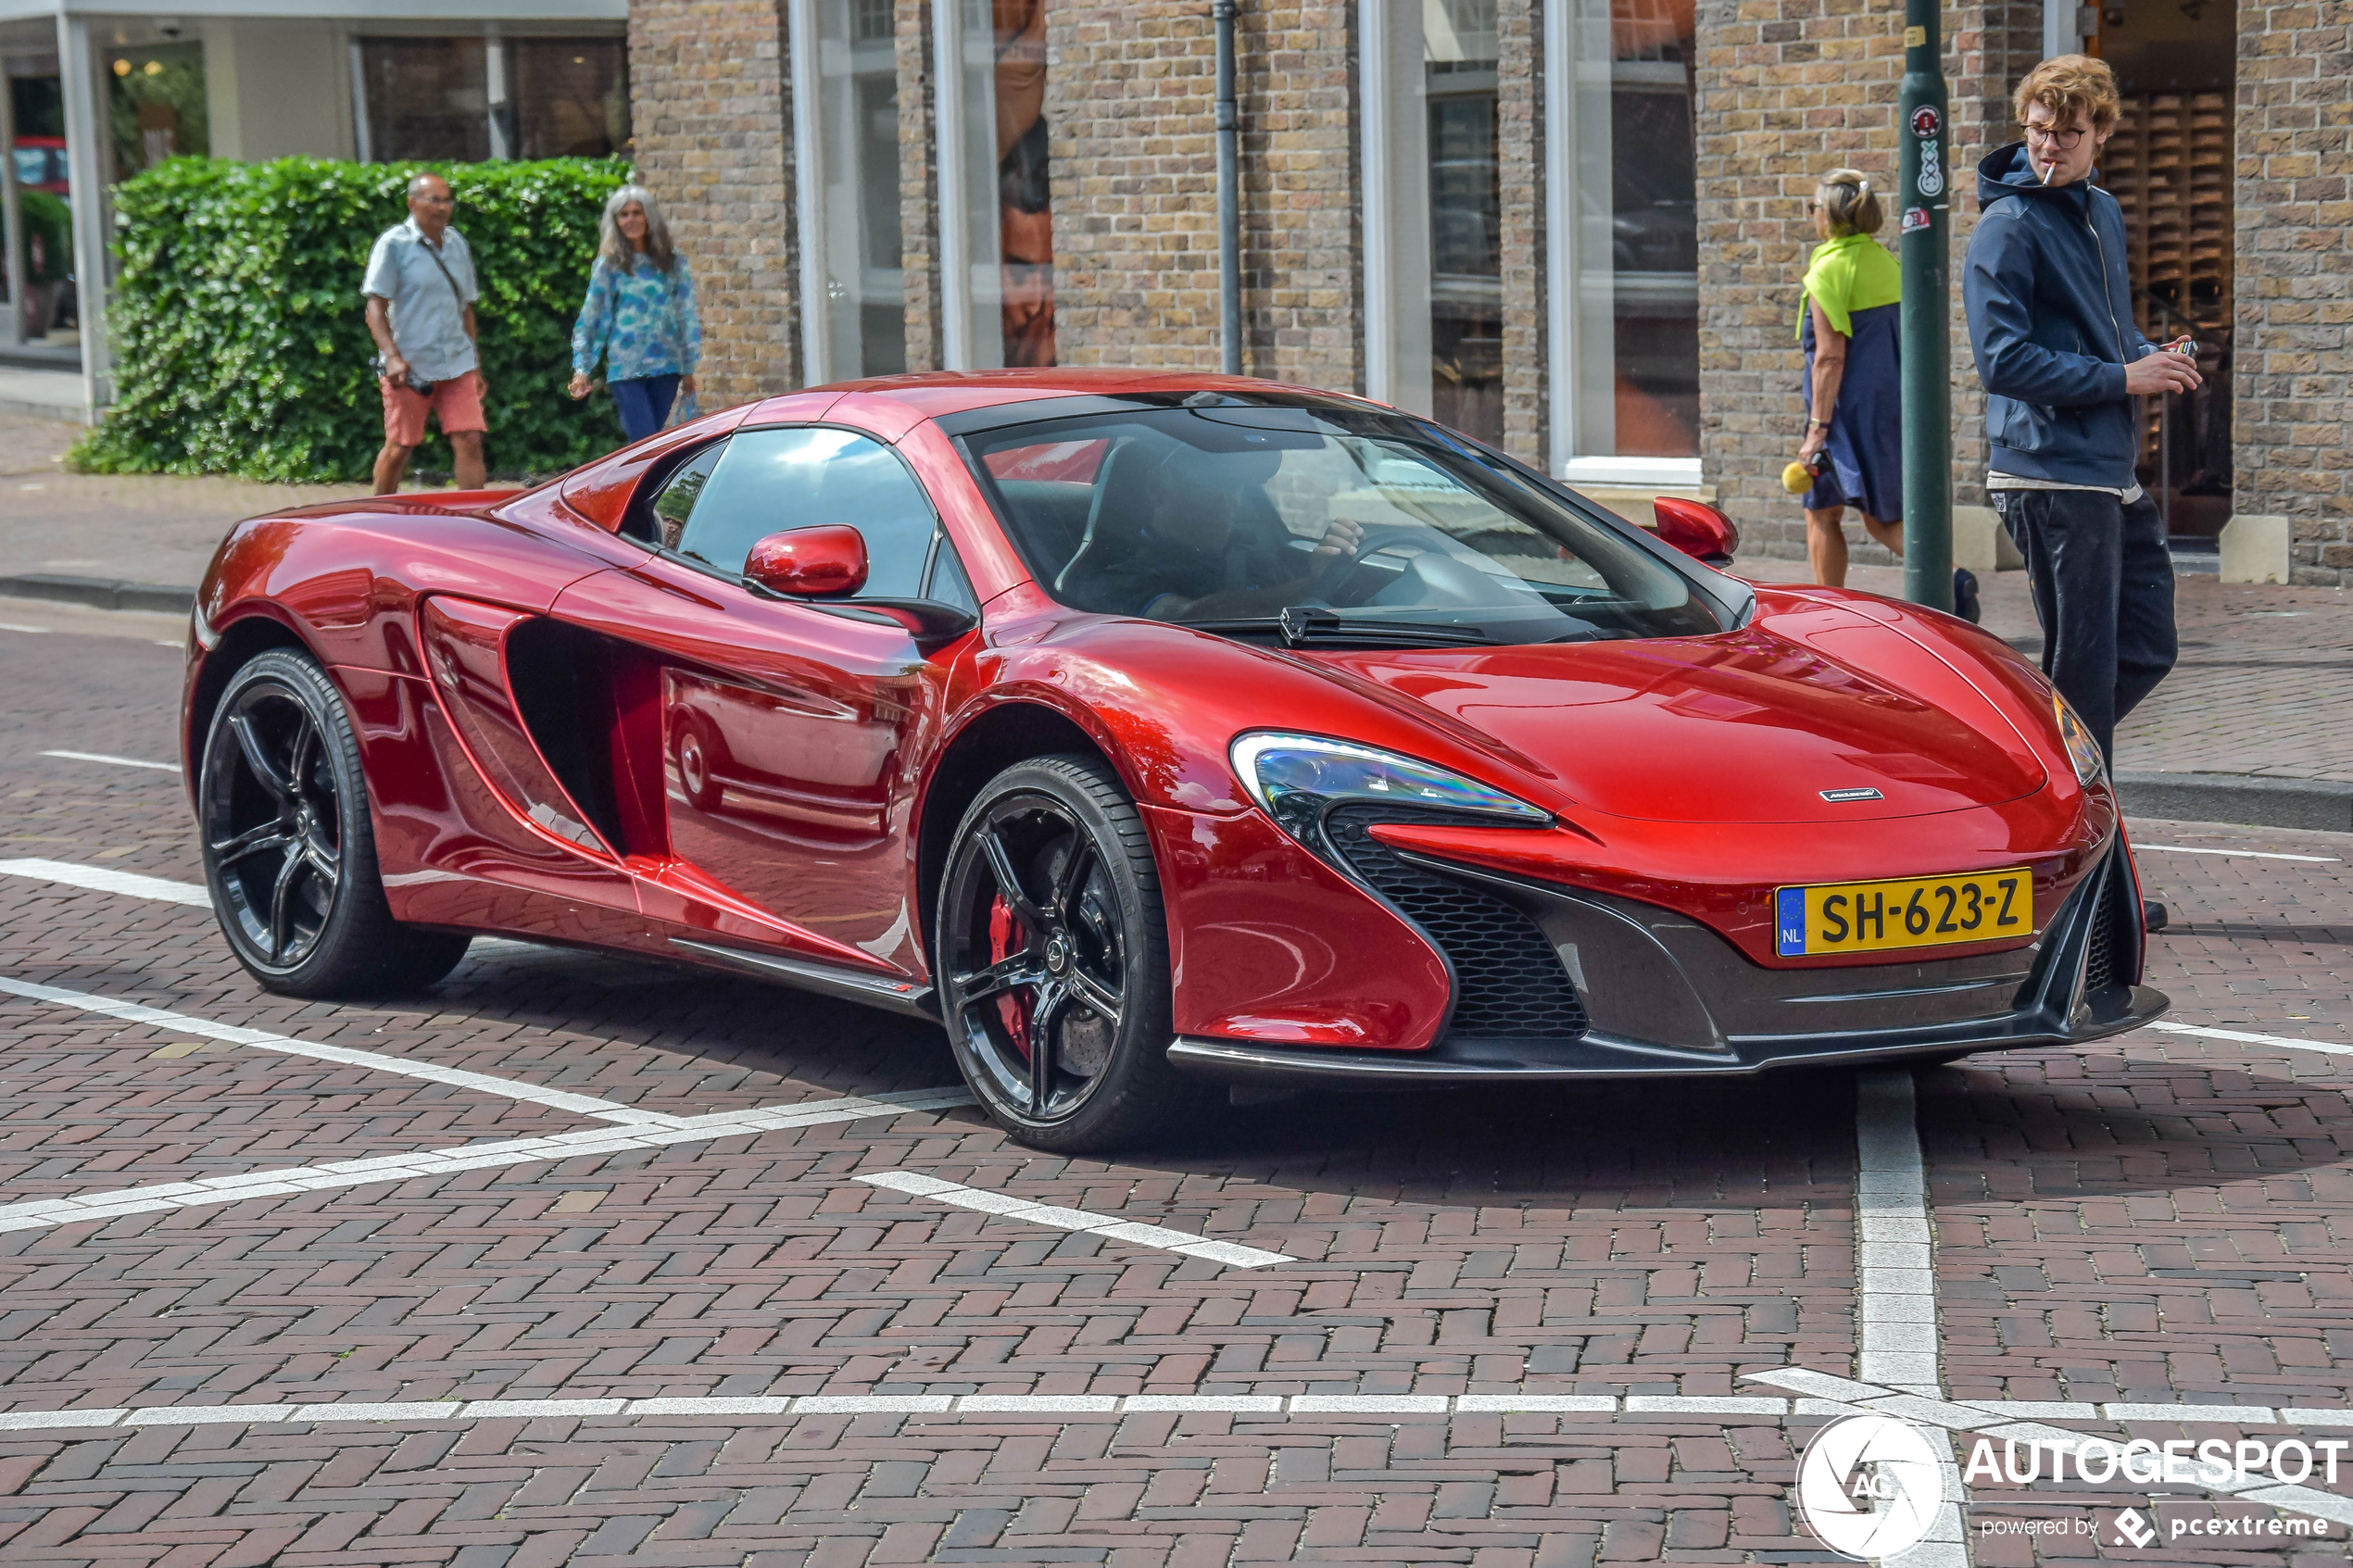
{"x": 1836, "y": 796}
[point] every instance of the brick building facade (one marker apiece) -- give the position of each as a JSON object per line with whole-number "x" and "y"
{"x": 2294, "y": 266}
{"x": 1575, "y": 227}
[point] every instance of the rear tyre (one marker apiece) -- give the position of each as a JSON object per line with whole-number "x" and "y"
{"x": 1052, "y": 961}
{"x": 289, "y": 853}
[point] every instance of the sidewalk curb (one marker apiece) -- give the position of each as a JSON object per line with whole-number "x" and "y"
{"x": 58, "y": 412}
{"x": 101, "y": 593}
{"x": 2242, "y": 798}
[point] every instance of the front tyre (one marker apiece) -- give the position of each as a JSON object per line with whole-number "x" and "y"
{"x": 289, "y": 854}
{"x": 1052, "y": 961}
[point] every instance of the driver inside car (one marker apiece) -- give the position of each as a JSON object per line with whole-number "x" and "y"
{"x": 1206, "y": 544}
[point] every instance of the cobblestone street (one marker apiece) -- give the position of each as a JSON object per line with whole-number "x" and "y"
{"x": 585, "y": 1255}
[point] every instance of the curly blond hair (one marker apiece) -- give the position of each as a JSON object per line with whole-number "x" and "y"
{"x": 2066, "y": 84}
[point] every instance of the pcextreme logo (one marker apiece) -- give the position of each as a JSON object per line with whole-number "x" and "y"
{"x": 1870, "y": 1485}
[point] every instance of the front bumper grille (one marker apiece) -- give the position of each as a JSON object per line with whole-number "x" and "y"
{"x": 1508, "y": 982}
{"x": 1675, "y": 999}
{"x": 2100, "y": 964}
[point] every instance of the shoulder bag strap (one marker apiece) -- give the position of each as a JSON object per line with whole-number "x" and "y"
{"x": 446, "y": 277}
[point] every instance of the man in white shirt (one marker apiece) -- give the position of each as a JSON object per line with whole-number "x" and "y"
{"x": 421, "y": 291}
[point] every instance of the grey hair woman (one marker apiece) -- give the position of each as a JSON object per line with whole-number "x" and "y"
{"x": 639, "y": 316}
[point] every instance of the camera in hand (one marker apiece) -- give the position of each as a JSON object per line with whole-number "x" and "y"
{"x": 414, "y": 381}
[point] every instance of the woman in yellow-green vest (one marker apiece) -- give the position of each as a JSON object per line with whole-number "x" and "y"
{"x": 1853, "y": 387}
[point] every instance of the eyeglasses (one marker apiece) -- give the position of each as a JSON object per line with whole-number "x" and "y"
{"x": 2065, "y": 141}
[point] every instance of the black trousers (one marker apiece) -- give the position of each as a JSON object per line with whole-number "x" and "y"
{"x": 2103, "y": 584}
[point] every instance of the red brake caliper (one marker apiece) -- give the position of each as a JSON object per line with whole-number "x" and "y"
{"x": 1003, "y": 926}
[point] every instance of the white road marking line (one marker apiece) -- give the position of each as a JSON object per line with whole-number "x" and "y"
{"x": 1993, "y": 1416}
{"x": 1684, "y": 1404}
{"x": 45, "y": 1212}
{"x": 2200, "y": 1030}
{"x": 1007, "y": 1207}
{"x": 103, "y": 880}
{"x": 35, "y": 631}
{"x": 2243, "y": 854}
{"x": 1939, "y": 1413}
{"x": 133, "y": 1012}
{"x": 117, "y": 762}
{"x": 1832, "y": 1396}
{"x": 1538, "y": 1404}
{"x": 1895, "y": 1283}
{"x": 192, "y": 893}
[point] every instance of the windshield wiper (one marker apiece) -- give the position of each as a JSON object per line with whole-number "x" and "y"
{"x": 1301, "y": 626}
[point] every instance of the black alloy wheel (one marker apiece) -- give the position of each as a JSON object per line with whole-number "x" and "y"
{"x": 1052, "y": 960}
{"x": 289, "y": 854}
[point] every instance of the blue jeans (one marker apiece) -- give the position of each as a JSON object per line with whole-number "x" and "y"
{"x": 643, "y": 403}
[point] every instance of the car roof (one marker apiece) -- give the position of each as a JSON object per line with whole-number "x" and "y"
{"x": 933, "y": 393}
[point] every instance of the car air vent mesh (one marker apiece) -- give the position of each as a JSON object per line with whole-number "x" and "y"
{"x": 2100, "y": 964}
{"x": 1510, "y": 983}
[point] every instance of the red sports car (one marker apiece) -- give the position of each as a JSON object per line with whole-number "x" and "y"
{"x": 1153, "y": 733}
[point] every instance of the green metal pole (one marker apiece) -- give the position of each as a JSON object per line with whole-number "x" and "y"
{"x": 1926, "y": 186}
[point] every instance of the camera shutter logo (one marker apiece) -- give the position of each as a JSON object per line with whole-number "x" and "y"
{"x": 1870, "y": 1485}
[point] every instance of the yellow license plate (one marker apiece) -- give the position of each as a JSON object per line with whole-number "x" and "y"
{"x": 1921, "y": 911}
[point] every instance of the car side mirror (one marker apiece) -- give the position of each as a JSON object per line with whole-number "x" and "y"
{"x": 824, "y": 562}
{"x": 1697, "y": 528}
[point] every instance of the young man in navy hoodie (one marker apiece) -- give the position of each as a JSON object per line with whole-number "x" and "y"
{"x": 2049, "y": 307}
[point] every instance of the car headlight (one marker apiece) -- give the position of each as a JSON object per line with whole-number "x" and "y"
{"x": 1295, "y": 779}
{"x": 2082, "y": 750}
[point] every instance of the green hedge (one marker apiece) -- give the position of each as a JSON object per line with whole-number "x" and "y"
{"x": 240, "y": 343}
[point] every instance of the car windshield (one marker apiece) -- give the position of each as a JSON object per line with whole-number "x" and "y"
{"x": 1326, "y": 526}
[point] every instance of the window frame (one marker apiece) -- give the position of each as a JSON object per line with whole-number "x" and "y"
{"x": 641, "y": 504}
{"x": 1564, "y": 275}
{"x": 1395, "y": 220}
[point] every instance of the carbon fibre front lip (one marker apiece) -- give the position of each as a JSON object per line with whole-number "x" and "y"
{"x": 1595, "y": 1056}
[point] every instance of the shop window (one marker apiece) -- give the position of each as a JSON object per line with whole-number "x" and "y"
{"x": 425, "y": 99}
{"x": 997, "y": 200}
{"x": 1628, "y": 285}
{"x": 155, "y": 106}
{"x": 850, "y": 189}
{"x": 1434, "y": 259}
{"x": 1465, "y": 210}
{"x": 569, "y": 97}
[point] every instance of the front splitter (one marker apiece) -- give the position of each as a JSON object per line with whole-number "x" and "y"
{"x": 1598, "y": 1056}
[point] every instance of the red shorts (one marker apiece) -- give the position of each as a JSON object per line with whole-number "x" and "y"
{"x": 457, "y": 403}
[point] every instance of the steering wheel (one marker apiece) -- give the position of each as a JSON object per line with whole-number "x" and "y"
{"x": 1378, "y": 537}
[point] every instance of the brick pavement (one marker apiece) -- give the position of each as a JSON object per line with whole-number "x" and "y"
{"x": 2159, "y": 1219}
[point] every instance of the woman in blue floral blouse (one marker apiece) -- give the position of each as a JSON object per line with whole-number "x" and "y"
{"x": 639, "y": 315}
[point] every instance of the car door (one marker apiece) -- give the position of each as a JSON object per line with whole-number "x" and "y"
{"x": 792, "y": 731}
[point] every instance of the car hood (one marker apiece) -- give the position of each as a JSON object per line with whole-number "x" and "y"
{"x": 1756, "y": 725}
